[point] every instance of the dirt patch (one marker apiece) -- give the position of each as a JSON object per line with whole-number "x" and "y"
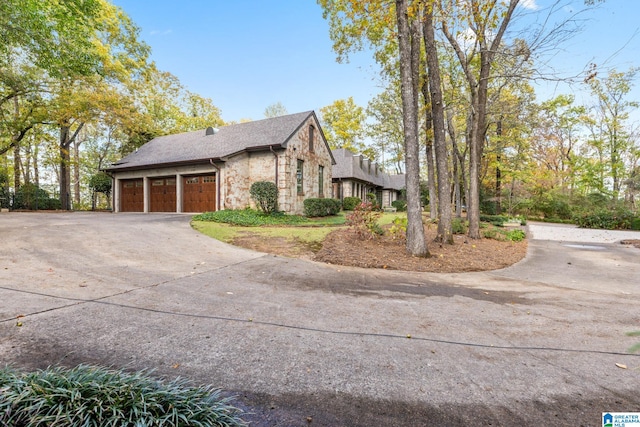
{"x": 633, "y": 242}
{"x": 343, "y": 247}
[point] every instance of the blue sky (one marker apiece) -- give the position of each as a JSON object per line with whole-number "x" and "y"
{"x": 248, "y": 54}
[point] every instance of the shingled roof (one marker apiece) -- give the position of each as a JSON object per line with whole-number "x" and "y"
{"x": 198, "y": 147}
{"x": 348, "y": 166}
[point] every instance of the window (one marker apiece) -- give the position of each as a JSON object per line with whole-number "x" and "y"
{"x": 157, "y": 182}
{"x": 299, "y": 175}
{"x": 209, "y": 179}
{"x": 128, "y": 185}
{"x": 321, "y": 181}
{"x": 311, "y": 136}
{"x": 171, "y": 181}
{"x": 192, "y": 180}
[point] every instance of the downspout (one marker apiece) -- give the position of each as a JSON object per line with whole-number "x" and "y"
{"x": 276, "y": 157}
{"x": 217, "y": 183}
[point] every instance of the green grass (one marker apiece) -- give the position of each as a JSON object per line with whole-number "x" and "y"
{"x": 227, "y": 225}
{"x": 253, "y": 218}
{"x": 226, "y": 232}
{"x": 94, "y": 396}
{"x": 388, "y": 217}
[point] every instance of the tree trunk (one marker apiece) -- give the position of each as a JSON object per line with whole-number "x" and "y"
{"x": 445, "y": 234}
{"x": 498, "y": 171}
{"x": 76, "y": 171}
{"x": 65, "y": 187}
{"x": 17, "y": 166}
{"x": 66, "y": 139}
{"x": 416, "y": 241}
{"x": 460, "y": 176}
{"x": 431, "y": 167}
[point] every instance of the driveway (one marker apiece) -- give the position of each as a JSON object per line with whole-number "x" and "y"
{"x": 300, "y": 343}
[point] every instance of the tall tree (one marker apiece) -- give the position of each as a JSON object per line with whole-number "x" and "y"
{"x": 445, "y": 233}
{"x": 275, "y": 110}
{"x": 489, "y": 21}
{"x": 409, "y": 49}
{"x": 610, "y": 135}
{"x": 385, "y": 128}
{"x": 343, "y": 126}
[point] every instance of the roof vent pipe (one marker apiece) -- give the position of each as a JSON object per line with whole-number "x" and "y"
{"x": 211, "y": 131}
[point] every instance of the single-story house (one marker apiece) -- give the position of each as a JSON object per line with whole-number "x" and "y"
{"x": 213, "y": 169}
{"x": 354, "y": 175}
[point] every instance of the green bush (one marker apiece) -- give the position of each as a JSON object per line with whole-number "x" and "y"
{"x": 635, "y": 223}
{"x": 458, "y": 226}
{"x": 5, "y": 195}
{"x": 497, "y": 220}
{"x": 265, "y": 194}
{"x": 400, "y": 205}
{"x": 321, "y": 207}
{"x": 349, "y": 203}
{"x": 616, "y": 219}
{"x": 399, "y": 228}
{"x": 515, "y": 235}
{"x": 30, "y": 196}
{"x": 100, "y": 183}
{"x": 93, "y": 396}
{"x": 250, "y": 218}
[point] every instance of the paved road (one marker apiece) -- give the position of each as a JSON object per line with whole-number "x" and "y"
{"x": 302, "y": 343}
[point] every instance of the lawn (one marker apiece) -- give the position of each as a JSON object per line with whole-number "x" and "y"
{"x": 290, "y": 227}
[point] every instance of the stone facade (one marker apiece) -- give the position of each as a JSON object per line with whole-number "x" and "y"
{"x": 236, "y": 171}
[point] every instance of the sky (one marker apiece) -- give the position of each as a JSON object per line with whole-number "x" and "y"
{"x": 248, "y": 54}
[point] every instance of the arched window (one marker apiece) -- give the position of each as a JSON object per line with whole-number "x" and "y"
{"x": 311, "y": 137}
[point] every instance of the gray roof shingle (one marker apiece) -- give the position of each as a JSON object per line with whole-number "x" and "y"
{"x": 348, "y": 167}
{"x": 196, "y": 146}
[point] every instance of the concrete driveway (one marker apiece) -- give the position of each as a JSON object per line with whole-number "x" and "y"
{"x": 300, "y": 343}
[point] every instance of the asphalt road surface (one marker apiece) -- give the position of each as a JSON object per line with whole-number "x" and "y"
{"x": 305, "y": 344}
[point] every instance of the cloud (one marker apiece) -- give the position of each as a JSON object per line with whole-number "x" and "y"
{"x": 160, "y": 33}
{"x": 529, "y": 4}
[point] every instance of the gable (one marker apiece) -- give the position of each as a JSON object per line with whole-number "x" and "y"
{"x": 202, "y": 147}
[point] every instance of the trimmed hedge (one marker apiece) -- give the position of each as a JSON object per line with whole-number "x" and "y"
{"x": 265, "y": 194}
{"x": 349, "y": 203}
{"x": 321, "y": 207}
{"x": 619, "y": 219}
{"x": 400, "y": 205}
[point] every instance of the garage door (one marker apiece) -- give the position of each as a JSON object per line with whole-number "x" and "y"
{"x": 199, "y": 193}
{"x": 131, "y": 195}
{"x": 163, "y": 195}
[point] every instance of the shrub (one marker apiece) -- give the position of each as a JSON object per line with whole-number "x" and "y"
{"x": 399, "y": 228}
{"x": 321, "y": 207}
{"x": 635, "y": 224}
{"x": 349, "y": 203}
{"x": 265, "y": 194}
{"x": 100, "y": 183}
{"x": 617, "y": 219}
{"x": 515, "y": 235}
{"x": 400, "y": 205}
{"x": 87, "y": 395}
{"x": 364, "y": 221}
{"x": 373, "y": 199}
{"x": 497, "y": 220}
{"x": 249, "y": 218}
{"x": 458, "y": 226}
{"x": 30, "y": 196}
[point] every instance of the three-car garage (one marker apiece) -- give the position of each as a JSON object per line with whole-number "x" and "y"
{"x": 177, "y": 193}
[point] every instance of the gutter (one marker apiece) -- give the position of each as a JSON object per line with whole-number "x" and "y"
{"x": 218, "y": 177}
